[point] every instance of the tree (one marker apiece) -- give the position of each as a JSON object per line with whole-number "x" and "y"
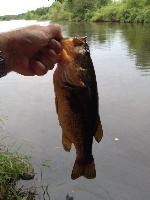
{"x": 101, "y": 3}
{"x": 80, "y": 8}
{"x": 135, "y": 3}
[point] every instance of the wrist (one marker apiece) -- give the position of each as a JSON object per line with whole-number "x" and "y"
{"x": 4, "y": 51}
{"x": 3, "y": 70}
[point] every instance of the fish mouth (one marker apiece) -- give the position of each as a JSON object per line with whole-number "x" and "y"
{"x": 70, "y": 61}
{"x": 68, "y": 43}
{"x": 73, "y": 46}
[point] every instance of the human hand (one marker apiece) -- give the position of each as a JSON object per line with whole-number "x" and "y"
{"x": 31, "y": 50}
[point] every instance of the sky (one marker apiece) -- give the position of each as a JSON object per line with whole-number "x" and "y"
{"x": 12, "y": 7}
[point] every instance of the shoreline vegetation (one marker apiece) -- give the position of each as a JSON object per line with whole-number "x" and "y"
{"x": 13, "y": 167}
{"x": 126, "y": 11}
{"x": 16, "y": 169}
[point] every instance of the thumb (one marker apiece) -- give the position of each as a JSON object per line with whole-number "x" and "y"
{"x": 53, "y": 31}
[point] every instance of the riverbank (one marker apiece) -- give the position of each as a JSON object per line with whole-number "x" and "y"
{"x": 135, "y": 11}
{"x": 120, "y": 11}
{"x": 13, "y": 167}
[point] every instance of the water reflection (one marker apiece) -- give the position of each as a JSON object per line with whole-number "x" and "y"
{"x": 137, "y": 38}
{"x": 101, "y": 35}
{"x": 96, "y": 33}
{"x": 122, "y": 158}
{"x": 69, "y": 198}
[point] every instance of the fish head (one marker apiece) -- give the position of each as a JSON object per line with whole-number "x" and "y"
{"x": 74, "y": 62}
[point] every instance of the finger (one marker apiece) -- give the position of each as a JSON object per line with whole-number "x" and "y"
{"x": 48, "y": 63}
{"x": 38, "y": 68}
{"x": 50, "y": 55}
{"x": 25, "y": 71}
{"x": 54, "y": 31}
{"x": 55, "y": 45}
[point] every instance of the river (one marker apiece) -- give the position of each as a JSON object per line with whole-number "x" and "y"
{"x": 121, "y": 57}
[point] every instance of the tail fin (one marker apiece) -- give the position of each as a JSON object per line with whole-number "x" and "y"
{"x": 86, "y": 170}
{"x": 89, "y": 171}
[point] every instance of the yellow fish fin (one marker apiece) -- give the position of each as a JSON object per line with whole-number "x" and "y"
{"x": 99, "y": 133}
{"x": 66, "y": 144}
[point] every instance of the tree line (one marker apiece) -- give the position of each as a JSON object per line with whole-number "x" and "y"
{"x": 12, "y": 17}
{"x": 93, "y": 10}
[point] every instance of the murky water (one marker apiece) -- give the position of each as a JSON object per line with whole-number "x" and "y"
{"x": 121, "y": 56}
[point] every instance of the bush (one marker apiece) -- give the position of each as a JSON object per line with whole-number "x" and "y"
{"x": 107, "y": 13}
{"x": 58, "y": 12}
{"x": 146, "y": 14}
{"x": 13, "y": 166}
{"x": 123, "y": 12}
{"x": 134, "y": 12}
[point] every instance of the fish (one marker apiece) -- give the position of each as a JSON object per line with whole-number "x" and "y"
{"x": 77, "y": 104}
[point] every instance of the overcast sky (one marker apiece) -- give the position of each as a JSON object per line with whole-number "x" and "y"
{"x": 11, "y": 7}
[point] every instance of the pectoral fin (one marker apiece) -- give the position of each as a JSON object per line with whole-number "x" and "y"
{"x": 99, "y": 133}
{"x": 66, "y": 144}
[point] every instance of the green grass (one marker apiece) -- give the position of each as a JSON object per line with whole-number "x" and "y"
{"x": 13, "y": 166}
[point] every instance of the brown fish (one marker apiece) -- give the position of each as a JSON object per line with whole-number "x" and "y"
{"x": 76, "y": 101}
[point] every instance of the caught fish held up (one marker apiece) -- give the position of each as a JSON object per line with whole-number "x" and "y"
{"x": 77, "y": 104}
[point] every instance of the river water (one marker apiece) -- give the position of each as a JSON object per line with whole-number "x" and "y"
{"x": 121, "y": 57}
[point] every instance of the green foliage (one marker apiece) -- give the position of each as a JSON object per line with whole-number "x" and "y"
{"x": 107, "y": 13}
{"x": 12, "y": 166}
{"x": 103, "y": 10}
{"x": 100, "y": 3}
{"x": 146, "y": 14}
{"x": 80, "y": 9}
{"x": 77, "y": 10}
{"x": 61, "y": 1}
{"x": 12, "y": 17}
{"x": 146, "y": 2}
{"x": 135, "y": 3}
{"x": 38, "y": 14}
{"x": 127, "y": 11}
{"x": 137, "y": 11}
{"x": 58, "y": 12}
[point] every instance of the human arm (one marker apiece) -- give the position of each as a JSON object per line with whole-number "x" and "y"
{"x": 32, "y": 50}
